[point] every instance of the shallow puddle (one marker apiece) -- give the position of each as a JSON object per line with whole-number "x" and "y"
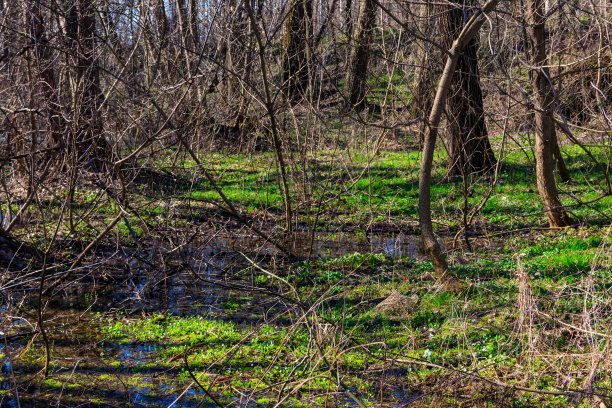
{"x": 87, "y": 368}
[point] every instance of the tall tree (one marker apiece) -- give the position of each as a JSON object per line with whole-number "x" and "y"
{"x": 88, "y": 135}
{"x": 422, "y": 91}
{"x": 238, "y": 61}
{"x": 348, "y": 17}
{"x": 184, "y": 32}
{"x": 161, "y": 20}
{"x": 360, "y": 54}
{"x": 45, "y": 70}
{"x": 430, "y": 242}
{"x": 194, "y": 24}
{"x": 468, "y": 145}
{"x": 298, "y": 28}
{"x": 232, "y": 46}
{"x": 543, "y": 98}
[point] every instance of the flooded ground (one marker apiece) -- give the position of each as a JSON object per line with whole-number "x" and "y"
{"x": 220, "y": 322}
{"x": 220, "y": 280}
{"x": 205, "y": 286}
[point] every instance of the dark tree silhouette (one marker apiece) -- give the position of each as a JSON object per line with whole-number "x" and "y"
{"x": 360, "y": 54}
{"x": 468, "y": 144}
{"x": 295, "y": 59}
{"x": 87, "y": 140}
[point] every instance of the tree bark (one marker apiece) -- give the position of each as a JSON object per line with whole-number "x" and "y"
{"x": 348, "y": 17}
{"x": 561, "y": 167}
{"x": 184, "y": 32}
{"x": 360, "y": 54}
{"x": 430, "y": 242}
{"x": 239, "y": 60}
{"x": 163, "y": 27}
{"x": 236, "y": 51}
{"x": 469, "y": 148}
{"x": 88, "y": 139}
{"x": 423, "y": 89}
{"x": 45, "y": 71}
{"x": 269, "y": 105}
{"x": 194, "y": 24}
{"x": 543, "y": 98}
{"x": 296, "y": 56}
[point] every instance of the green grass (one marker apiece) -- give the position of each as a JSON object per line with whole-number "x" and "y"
{"x": 388, "y": 189}
{"x": 474, "y": 330}
{"x": 355, "y": 188}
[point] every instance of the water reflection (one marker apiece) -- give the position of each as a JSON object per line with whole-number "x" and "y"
{"x": 154, "y": 285}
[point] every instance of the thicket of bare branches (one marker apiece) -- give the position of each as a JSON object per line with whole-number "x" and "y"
{"x": 114, "y": 103}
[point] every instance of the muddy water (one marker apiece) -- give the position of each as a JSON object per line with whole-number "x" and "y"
{"x": 89, "y": 371}
{"x": 320, "y": 246}
{"x": 204, "y": 288}
{"x": 135, "y": 383}
{"x": 336, "y": 245}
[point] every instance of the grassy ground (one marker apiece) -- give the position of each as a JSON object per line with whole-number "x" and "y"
{"x": 435, "y": 348}
{"x": 535, "y": 312}
{"x": 354, "y": 190}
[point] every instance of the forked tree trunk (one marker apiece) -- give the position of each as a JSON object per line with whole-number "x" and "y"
{"x": 545, "y": 125}
{"x": 432, "y": 246}
{"x": 468, "y": 143}
{"x": 295, "y": 59}
{"x": 561, "y": 167}
{"x": 360, "y": 54}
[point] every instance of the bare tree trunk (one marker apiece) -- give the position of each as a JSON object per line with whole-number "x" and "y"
{"x": 163, "y": 28}
{"x": 45, "y": 72}
{"x": 348, "y": 17}
{"x": 181, "y": 15}
{"x": 432, "y": 246}
{"x": 194, "y": 24}
{"x": 468, "y": 144}
{"x": 269, "y": 105}
{"x": 296, "y": 56}
{"x": 422, "y": 92}
{"x": 563, "y": 171}
{"x": 246, "y": 65}
{"x": 235, "y": 51}
{"x": 110, "y": 27}
{"x": 183, "y": 29}
{"x": 544, "y": 104}
{"x": 89, "y": 141}
{"x": 360, "y": 54}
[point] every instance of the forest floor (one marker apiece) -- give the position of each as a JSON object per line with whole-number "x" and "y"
{"x": 188, "y": 307}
